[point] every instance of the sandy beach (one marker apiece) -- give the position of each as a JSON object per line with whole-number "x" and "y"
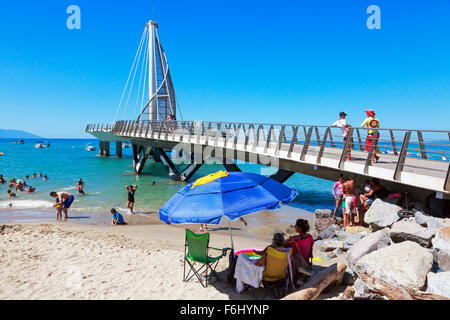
{"x": 75, "y": 261}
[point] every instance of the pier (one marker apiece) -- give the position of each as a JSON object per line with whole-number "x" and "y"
{"x": 406, "y": 157}
{"x": 412, "y": 161}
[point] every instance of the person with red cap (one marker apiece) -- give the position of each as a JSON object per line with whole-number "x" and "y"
{"x": 371, "y": 123}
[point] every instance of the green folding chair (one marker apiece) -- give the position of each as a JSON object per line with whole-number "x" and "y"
{"x": 196, "y": 255}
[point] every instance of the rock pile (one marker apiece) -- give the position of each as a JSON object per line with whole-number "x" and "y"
{"x": 408, "y": 255}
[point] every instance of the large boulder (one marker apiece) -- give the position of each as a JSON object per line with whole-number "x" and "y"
{"x": 441, "y": 243}
{"x": 342, "y": 235}
{"x": 323, "y": 223}
{"x": 315, "y": 234}
{"x": 323, "y": 213}
{"x": 405, "y": 230}
{"x": 358, "y": 229}
{"x": 402, "y": 264}
{"x": 381, "y": 215}
{"x": 362, "y": 290}
{"x": 329, "y": 232}
{"x": 443, "y": 259}
{"x": 432, "y": 223}
{"x": 442, "y": 239}
{"x": 366, "y": 245}
{"x": 354, "y": 238}
{"x": 331, "y": 244}
{"x": 439, "y": 283}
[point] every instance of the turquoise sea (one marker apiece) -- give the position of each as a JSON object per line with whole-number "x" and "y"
{"x": 67, "y": 160}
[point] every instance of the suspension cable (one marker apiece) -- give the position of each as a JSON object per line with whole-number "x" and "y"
{"x": 140, "y": 81}
{"x": 132, "y": 81}
{"x": 129, "y": 75}
{"x": 145, "y": 81}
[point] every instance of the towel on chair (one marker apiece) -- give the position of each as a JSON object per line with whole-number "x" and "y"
{"x": 247, "y": 272}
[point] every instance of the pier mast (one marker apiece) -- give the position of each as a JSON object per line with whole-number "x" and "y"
{"x": 161, "y": 94}
{"x": 152, "y": 72}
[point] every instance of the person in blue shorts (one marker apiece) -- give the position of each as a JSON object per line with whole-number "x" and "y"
{"x": 117, "y": 218}
{"x": 65, "y": 199}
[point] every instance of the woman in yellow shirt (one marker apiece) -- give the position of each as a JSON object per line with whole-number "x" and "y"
{"x": 371, "y": 123}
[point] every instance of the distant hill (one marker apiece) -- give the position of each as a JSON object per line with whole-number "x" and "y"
{"x": 16, "y": 134}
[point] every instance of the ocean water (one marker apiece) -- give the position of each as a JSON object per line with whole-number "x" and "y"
{"x": 105, "y": 178}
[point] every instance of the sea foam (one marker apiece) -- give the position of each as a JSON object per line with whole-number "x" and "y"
{"x": 26, "y": 204}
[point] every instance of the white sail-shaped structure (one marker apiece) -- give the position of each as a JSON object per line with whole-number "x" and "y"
{"x": 155, "y": 99}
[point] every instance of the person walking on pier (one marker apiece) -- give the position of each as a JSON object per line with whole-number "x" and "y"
{"x": 342, "y": 123}
{"x": 371, "y": 123}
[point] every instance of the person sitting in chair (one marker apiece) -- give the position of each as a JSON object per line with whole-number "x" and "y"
{"x": 302, "y": 248}
{"x": 277, "y": 243}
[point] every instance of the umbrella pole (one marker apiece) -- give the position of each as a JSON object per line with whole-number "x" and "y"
{"x": 231, "y": 234}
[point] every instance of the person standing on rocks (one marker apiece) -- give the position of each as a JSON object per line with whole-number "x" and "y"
{"x": 350, "y": 202}
{"x": 338, "y": 194}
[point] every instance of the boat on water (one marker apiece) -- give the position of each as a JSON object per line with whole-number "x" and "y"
{"x": 42, "y": 144}
{"x": 18, "y": 142}
{"x": 89, "y": 148}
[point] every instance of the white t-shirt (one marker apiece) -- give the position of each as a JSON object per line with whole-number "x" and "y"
{"x": 341, "y": 123}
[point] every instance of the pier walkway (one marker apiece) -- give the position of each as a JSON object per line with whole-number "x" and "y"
{"x": 417, "y": 158}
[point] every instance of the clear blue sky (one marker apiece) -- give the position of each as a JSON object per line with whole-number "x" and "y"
{"x": 261, "y": 61}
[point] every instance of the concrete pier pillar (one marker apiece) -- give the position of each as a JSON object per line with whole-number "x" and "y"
{"x": 106, "y": 150}
{"x": 119, "y": 149}
{"x": 100, "y": 148}
{"x": 103, "y": 149}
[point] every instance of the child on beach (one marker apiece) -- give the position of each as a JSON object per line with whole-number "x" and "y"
{"x": 2, "y": 180}
{"x": 58, "y": 207}
{"x": 117, "y": 218}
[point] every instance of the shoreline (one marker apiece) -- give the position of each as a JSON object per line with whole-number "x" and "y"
{"x": 261, "y": 225}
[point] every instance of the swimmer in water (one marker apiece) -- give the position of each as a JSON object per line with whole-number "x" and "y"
{"x": 80, "y": 186}
{"x": 11, "y": 194}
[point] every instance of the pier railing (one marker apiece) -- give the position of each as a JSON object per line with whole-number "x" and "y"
{"x": 402, "y": 150}
{"x": 106, "y": 127}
